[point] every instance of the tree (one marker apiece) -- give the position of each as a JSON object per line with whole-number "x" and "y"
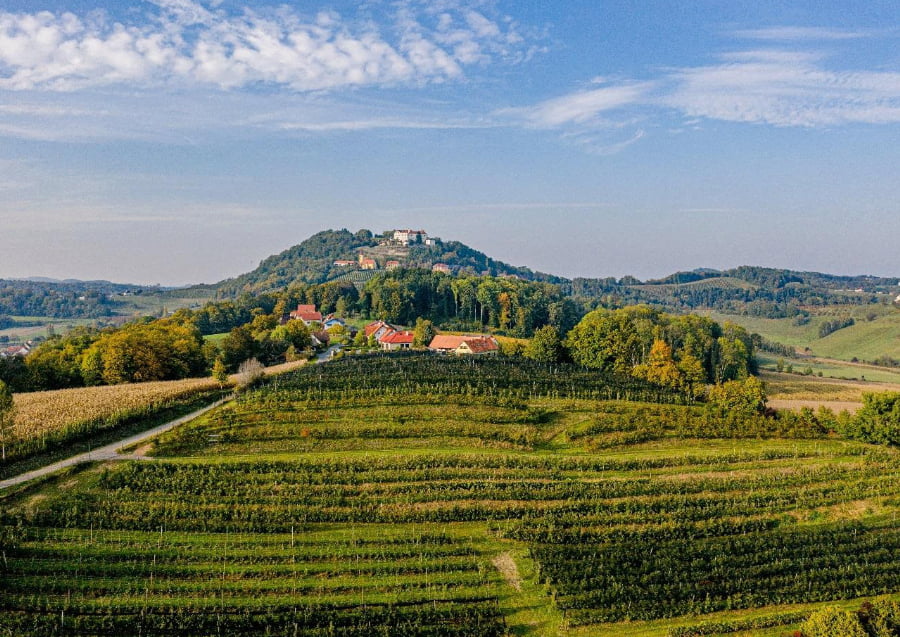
{"x": 7, "y": 415}
{"x": 545, "y": 346}
{"x": 745, "y": 397}
{"x": 220, "y": 372}
{"x": 879, "y": 419}
{"x": 423, "y": 333}
{"x": 238, "y": 346}
{"x": 660, "y": 368}
{"x": 249, "y": 373}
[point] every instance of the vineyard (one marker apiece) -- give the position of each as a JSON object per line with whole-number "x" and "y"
{"x": 425, "y": 495}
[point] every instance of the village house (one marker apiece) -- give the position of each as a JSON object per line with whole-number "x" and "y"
{"x": 343, "y": 263}
{"x": 468, "y": 344}
{"x": 394, "y": 341}
{"x": 15, "y": 350}
{"x": 391, "y": 265}
{"x": 333, "y": 321}
{"x": 307, "y": 313}
{"x": 378, "y": 329}
{"x": 441, "y": 267}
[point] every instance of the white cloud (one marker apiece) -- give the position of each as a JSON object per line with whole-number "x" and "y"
{"x": 190, "y": 42}
{"x": 581, "y": 107}
{"x": 784, "y": 88}
{"x": 786, "y": 33}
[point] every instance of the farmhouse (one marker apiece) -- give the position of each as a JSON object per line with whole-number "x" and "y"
{"x": 470, "y": 344}
{"x": 343, "y": 263}
{"x": 333, "y": 321}
{"x": 391, "y": 265}
{"x": 307, "y": 313}
{"x": 378, "y": 329}
{"x": 441, "y": 267}
{"x": 397, "y": 340}
{"x": 15, "y": 350}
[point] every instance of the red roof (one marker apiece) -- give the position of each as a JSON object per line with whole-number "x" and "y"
{"x": 481, "y": 344}
{"x": 307, "y": 316}
{"x": 371, "y": 328}
{"x": 306, "y": 308}
{"x": 399, "y": 338}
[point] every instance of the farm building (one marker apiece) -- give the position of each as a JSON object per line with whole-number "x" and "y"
{"x": 394, "y": 341}
{"x": 307, "y": 313}
{"x": 469, "y": 344}
{"x": 378, "y": 329}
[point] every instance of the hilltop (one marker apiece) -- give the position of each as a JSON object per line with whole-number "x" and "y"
{"x": 330, "y": 254}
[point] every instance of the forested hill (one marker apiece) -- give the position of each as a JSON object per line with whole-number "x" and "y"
{"x": 758, "y": 291}
{"x": 60, "y": 299}
{"x": 312, "y": 261}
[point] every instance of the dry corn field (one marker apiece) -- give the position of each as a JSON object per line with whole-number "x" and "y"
{"x": 60, "y": 414}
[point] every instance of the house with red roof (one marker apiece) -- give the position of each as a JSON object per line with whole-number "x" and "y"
{"x": 394, "y": 341}
{"x": 307, "y": 313}
{"x": 468, "y": 344}
{"x": 378, "y": 329}
{"x": 441, "y": 267}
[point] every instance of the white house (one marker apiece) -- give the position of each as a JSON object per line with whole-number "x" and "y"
{"x": 407, "y": 237}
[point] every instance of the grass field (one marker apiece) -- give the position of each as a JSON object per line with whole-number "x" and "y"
{"x": 422, "y": 495}
{"x": 22, "y": 334}
{"x": 866, "y": 340}
{"x": 831, "y": 368}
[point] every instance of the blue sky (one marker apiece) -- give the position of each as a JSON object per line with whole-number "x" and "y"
{"x": 178, "y": 141}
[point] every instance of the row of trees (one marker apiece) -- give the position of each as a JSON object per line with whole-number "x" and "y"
{"x": 164, "y": 349}
{"x": 511, "y": 306}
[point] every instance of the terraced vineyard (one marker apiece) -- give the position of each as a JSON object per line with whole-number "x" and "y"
{"x": 435, "y": 496}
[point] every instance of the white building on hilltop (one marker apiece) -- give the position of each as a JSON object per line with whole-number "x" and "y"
{"x": 407, "y": 237}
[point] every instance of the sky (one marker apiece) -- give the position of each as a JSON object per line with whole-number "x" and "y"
{"x": 183, "y": 141}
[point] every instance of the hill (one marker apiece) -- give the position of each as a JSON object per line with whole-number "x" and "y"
{"x": 313, "y": 261}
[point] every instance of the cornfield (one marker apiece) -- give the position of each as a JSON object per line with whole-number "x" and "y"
{"x": 55, "y": 416}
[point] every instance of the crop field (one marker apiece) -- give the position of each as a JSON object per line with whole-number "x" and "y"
{"x": 422, "y": 495}
{"x": 51, "y": 418}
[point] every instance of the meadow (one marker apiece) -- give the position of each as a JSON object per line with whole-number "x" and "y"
{"x": 425, "y": 495}
{"x": 875, "y": 333}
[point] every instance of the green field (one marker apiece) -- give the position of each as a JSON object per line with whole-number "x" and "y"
{"x": 866, "y": 340}
{"x": 831, "y": 368}
{"x": 422, "y": 495}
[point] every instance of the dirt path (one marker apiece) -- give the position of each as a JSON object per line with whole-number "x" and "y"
{"x": 508, "y": 569}
{"x": 109, "y": 452}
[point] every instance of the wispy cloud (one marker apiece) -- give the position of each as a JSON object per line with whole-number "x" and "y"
{"x": 784, "y": 88}
{"x": 775, "y": 86}
{"x": 189, "y": 42}
{"x": 583, "y": 106}
{"x": 795, "y": 33}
